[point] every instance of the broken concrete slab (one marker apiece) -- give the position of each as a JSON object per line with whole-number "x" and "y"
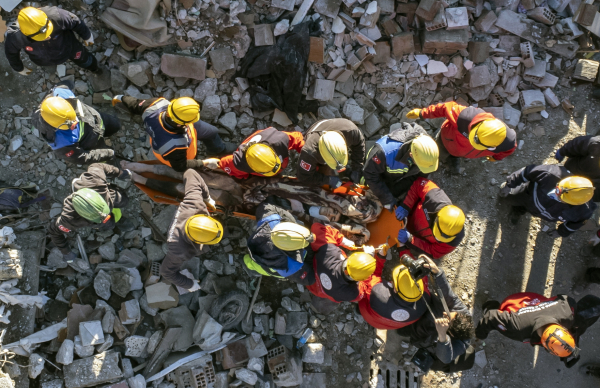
{"x": 328, "y": 8}
{"x": 120, "y": 283}
{"x": 444, "y": 41}
{"x": 182, "y": 317}
{"x": 88, "y": 372}
{"x": 130, "y": 312}
{"x": 102, "y": 283}
{"x": 65, "y": 353}
{"x": 457, "y": 18}
{"x": 222, "y": 59}
{"x": 532, "y": 101}
{"x": 313, "y": 353}
{"x": 183, "y": 66}
{"x": 80, "y": 350}
{"x": 403, "y": 44}
{"x": 436, "y": 67}
{"x": 91, "y": 333}
{"x": 353, "y": 112}
{"x": 207, "y": 332}
{"x": 162, "y": 296}
{"x": 36, "y": 365}
{"x": 427, "y": 9}
{"x": 323, "y": 90}
{"x": 586, "y": 70}
{"x": 486, "y": 21}
{"x": 263, "y": 35}
{"x": 135, "y": 346}
{"x": 162, "y": 351}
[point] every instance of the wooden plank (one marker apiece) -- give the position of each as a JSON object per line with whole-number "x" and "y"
{"x": 317, "y": 50}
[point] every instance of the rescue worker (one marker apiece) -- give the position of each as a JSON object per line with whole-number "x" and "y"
{"x": 445, "y": 339}
{"x": 191, "y": 228}
{"x": 552, "y": 193}
{"x": 95, "y": 203}
{"x": 338, "y": 277}
{"x": 279, "y": 247}
{"x": 13, "y": 198}
{"x": 468, "y": 132}
{"x": 556, "y": 323}
{"x": 328, "y": 146}
{"x": 264, "y": 153}
{"x": 47, "y": 36}
{"x": 434, "y": 226}
{"x": 393, "y": 299}
{"x": 397, "y": 160}
{"x": 583, "y": 153}
{"x": 174, "y": 127}
{"x": 74, "y": 130}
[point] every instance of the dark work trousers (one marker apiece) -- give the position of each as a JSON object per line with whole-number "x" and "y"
{"x": 209, "y": 135}
{"x": 517, "y": 201}
{"x": 84, "y": 59}
{"x": 463, "y": 362}
{"x": 444, "y": 154}
{"x": 112, "y": 124}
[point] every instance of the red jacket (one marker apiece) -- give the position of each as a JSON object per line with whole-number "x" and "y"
{"x": 458, "y": 124}
{"x": 516, "y": 302}
{"x": 236, "y": 164}
{"x": 394, "y": 313}
{"x": 423, "y": 201}
{"x": 326, "y": 263}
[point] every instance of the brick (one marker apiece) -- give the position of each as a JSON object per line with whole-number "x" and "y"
{"x": 457, "y": 18}
{"x": 403, "y": 44}
{"x": 586, "y": 70}
{"x": 390, "y": 27}
{"x": 439, "y": 21}
{"x": 263, "y": 35}
{"x": 535, "y": 73}
{"x": 443, "y": 41}
{"x": 407, "y": 8}
{"x": 527, "y": 54}
{"x": 532, "y": 101}
{"x": 183, "y": 66}
{"x": 549, "y": 81}
{"x": 587, "y": 15}
{"x": 382, "y": 53}
{"x": 316, "y": 53}
{"x": 427, "y": 9}
{"x": 542, "y": 15}
{"x": 551, "y": 98}
{"x": 324, "y": 90}
{"x": 162, "y": 296}
{"x": 486, "y": 21}
{"x": 479, "y": 51}
{"x": 511, "y": 44}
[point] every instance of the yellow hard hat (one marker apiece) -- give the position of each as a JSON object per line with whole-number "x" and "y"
{"x": 184, "y": 110}
{"x": 487, "y": 134}
{"x": 425, "y": 153}
{"x": 289, "y": 236}
{"x": 202, "y": 229}
{"x": 262, "y": 159}
{"x": 58, "y": 113}
{"x": 35, "y": 24}
{"x": 448, "y": 223}
{"x": 360, "y": 266}
{"x": 405, "y": 286}
{"x": 575, "y": 190}
{"x": 332, "y": 147}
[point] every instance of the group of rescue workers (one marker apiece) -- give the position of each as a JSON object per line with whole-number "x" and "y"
{"x": 331, "y": 152}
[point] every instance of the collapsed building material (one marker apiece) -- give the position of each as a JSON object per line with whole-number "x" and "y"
{"x": 88, "y": 372}
{"x": 532, "y": 101}
{"x": 586, "y": 70}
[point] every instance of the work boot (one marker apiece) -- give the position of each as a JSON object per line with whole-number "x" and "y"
{"x": 590, "y": 370}
{"x": 228, "y": 150}
{"x": 100, "y": 79}
{"x": 515, "y": 215}
{"x": 592, "y": 275}
{"x": 454, "y": 165}
{"x": 490, "y": 305}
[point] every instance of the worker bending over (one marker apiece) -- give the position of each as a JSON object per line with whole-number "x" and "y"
{"x": 47, "y": 36}
{"x": 191, "y": 228}
{"x": 583, "y": 153}
{"x": 397, "y": 160}
{"x": 326, "y": 151}
{"x": 174, "y": 128}
{"x": 468, "y": 132}
{"x": 264, "y": 153}
{"x": 279, "y": 247}
{"x": 339, "y": 278}
{"x": 75, "y": 131}
{"x": 552, "y": 193}
{"x": 556, "y": 323}
{"x": 434, "y": 226}
{"x": 95, "y": 203}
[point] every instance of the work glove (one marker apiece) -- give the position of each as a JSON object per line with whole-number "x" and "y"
{"x": 116, "y": 99}
{"x": 383, "y": 249}
{"x": 334, "y": 182}
{"x": 401, "y": 213}
{"x": 414, "y": 114}
{"x": 491, "y": 159}
{"x": 125, "y": 175}
{"x": 25, "y": 71}
{"x": 89, "y": 41}
{"x": 404, "y": 236}
{"x": 212, "y": 163}
{"x": 389, "y": 206}
{"x": 558, "y": 156}
{"x": 504, "y": 190}
{"x": 355, "y": 177}
{"x": 348, "y": 244}
{"x": 369, "y": 249}
{"x": 553, "y": 233}
{"x": 210, "y": 204}
{"x": 69, "y": 257}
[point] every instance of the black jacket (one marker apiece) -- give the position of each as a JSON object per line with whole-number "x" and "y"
{"x": 389, "y": 186}
{"x": 91, "y": 147}
{"x": 69, "y": 220}
{"x": 63, "y": 43}
{"x": 533, "y": 183}
{"x": 584, "y": 156}
{"x": 311, "y": 159}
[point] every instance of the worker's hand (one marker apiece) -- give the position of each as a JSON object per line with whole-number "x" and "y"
{"x": 382, "y": 250}
{"x": 210, "y": 204}
{"x": 369, "y": 249}
{"x": 69, "y": 257}
{"x": 491, "y": 159}
{"x": 414, "y": 114}
{"x": 125, "y": 175}
{"x": 116, "y": 99}
{"x": 348, "y": 244}
{"x": 389, "y": 206}
{"x": 355, "y": 177}
{"x": 25, "y": 71}
{"x": 212, "y": 163}
{"x": 404, "y": 236}
{"x": 442, "y": 325}
{"x": 504, "y": 190}
{"x": 401, "y": 213}
{"x": 553, "y": 233}
{"x": 558, "y": 156}
{"x": 90, "y": 41}
{"x": 334, "y": 182}
{"x": 431, "y": 265}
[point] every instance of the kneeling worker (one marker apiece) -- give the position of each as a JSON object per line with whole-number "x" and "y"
{"x": 191, "y": 228}
{"x": 174, "y": 128}
{"x": 552, "y": 193}
{"x": 264, "y": 153}
{"x": 94, "y": 204}
{"x": 583, "y": 154}
{"x": 434, "y": 225}
{"x": 397, "y": 160}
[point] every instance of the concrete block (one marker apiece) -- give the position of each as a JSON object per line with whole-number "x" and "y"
{"x": 439, "y": 21}
{"x": 138, "y": 381}
{"x": 427, "y": 9}
{"x": 65, "y": 352}
{"x": 586, "y": 70}
{"x": 88, "y": 372}
{"x": 479, "y": 51}
{"x": 353, "y": 112}
{"x": 211, "y": 110}
{"x": 57, "y": 383}
{"x": 120, "y": 283}
{"x": 10, "y": 263}
{"x": 549, "y": 81}
{"x": 80, "y": 350}
{"x": 328, "y": 8}
{"x": 108, "y": 343}
{"x": 436, "y": 67}
{"x": 444, "y": 41}
{"x": 263, "y": 35}
{"x": 136, "y": 72}
{"x": 247, "y": 376}
{"x": 587, "y": 15}
{"x": 102, "y": 284}
{"x": 135, "y": 346}
{"x": 532, "y": 101}
{"x": 372, "y": 125}
{"x": 382, "y": 53}
{"x": 324, "y": 90}
{"x": 313, "y": 353}
{"x": 486, "y": 20}
{"x": 527, "y": 54}
{"x": 36, "y": 365}
{"x": 130, "y": 312}
{"x": 479, "y": 76}
{"x": 542, "y": 15}
{"x": 207, "y": 332}
{"x": 403, "y": 44}
{"x": 535, "y": 73}
{"x": 183, "y": 66}
{"x": 221, "y": 59}
{"x": 108, "y": 321}
{"x": 551, "y": 98}
{"x": 288, "y": 5}
{"x": 162, "y": 296}
{"x": 457, "y": 18}
{"x": 91, "y": 333}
